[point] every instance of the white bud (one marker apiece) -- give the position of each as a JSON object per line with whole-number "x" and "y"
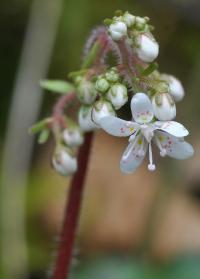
{"x": 86, "y": 91}
{"x": 73, "y": 137}
{"x": 175, "y": 87}
{"x": 64, "y": 163}
{"x": 164, "y": 107}
{"x": 146, "y": 48}
{"x": 117, "y": 30}
{"x": 129, "y": 19}
{"x": 102, "y": 85}
{"x": 101, "y": 109}
{"x": 140, "y": 21}
{"x": 117, "y": 95}
{"x": 85, "y": 119}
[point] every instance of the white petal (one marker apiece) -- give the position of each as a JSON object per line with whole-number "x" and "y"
{"x": 134, "y": 154}
{"x": 173, "y": 128}
{"x": 118, "y": 127}
{"x": 141, "y": 108}
{"x": 175, "y": 147}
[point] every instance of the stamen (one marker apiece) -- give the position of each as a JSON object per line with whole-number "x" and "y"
{"x": 163, "y": 151}
{"x": 141, "y": 151}
{"x": 151, "y": 166}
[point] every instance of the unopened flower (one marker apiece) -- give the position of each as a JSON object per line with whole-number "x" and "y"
{"x": 101, "y": 109}
{"x": 117, "y": 95}
{"x": 140, "y": 22}
{"x": 102, "y": 85}
{"x": 163, "y": 106}
{"x": 146, "y": 47}
{"x": 168, "y": 136}
{"x": 64, "y": 163}
{"x": 84, "y": 118}
{"x": 73, "y": 137}
{"x": 86, "y": 91}
{"x": 129, "y": 19}
{"x": 175, "y": 87}
{"x": 112, "y": 75}
{"x": 117, "y": 30}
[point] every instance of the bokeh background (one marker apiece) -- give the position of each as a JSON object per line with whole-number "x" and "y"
{"x": 139, "y": 226}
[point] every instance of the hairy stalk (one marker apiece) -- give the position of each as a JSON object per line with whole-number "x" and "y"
{"x": 72, "y": 212}
{"x": 59, "y": 107}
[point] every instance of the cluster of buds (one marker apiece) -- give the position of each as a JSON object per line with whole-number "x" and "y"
{"x": 110, "y": 95}
{"x": 137, "y": 31}
{"x": 103, "y": 88}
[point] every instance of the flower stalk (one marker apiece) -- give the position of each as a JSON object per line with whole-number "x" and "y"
{"x": 72, "y": 212}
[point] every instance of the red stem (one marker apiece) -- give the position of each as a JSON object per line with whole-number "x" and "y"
{"x": 72, "y": 212}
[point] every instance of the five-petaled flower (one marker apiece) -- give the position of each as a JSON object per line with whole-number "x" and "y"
{"x": 167, "y": 135}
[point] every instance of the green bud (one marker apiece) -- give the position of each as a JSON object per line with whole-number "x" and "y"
{"x": 102, "y": 85}
{"x": 112, "y": 76}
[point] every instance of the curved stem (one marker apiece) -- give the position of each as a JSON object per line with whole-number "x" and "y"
{"x": 72, "y": 212}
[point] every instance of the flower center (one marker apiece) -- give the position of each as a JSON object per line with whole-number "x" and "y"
{"x": 147, "y": 132}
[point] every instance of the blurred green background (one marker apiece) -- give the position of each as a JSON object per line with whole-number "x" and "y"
{"x": 177, "y": 28}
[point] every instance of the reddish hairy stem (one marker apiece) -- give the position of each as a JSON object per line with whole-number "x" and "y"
{"x": 62, "y": 102}
{"x": 59, "y": 108}
{"x": 72, "y": 212}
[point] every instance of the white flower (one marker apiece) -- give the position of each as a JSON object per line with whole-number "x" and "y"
{"x": 146, "y": 47}
{"x": 117, "y": 30}
{"x": 101, "y": 109}
{"x": 117, "y": 95}
{"x": 64, "y": 163}
{"x": 129, "y": 19}
{"x": 73, "y": 137}
{"x": 168, "y": 136}
{"x": 86, "y": 91}
{"x": 164, "y": 107}
{"x": 85, "y": 119}
{"x": 175, "y": 87}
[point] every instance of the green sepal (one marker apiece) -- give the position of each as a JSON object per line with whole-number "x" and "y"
{"x": 118, "y": 13}
{"x": 44, "y": 135}
{"x": 39, "y": 126}
{"x": 75, "y": 74}
{"x": 90, "y": 58}
{"x": 107, "y": 21}
{"x": 57, "y": 86}
{"x": 150, "y": 69}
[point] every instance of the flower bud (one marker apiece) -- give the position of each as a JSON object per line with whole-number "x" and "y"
{"x": 146, "y": 48}
{"x": 102, "y": 85}
{"x": 85, "y": 119}
{"x": 140, "y": 22}
{"x": 101, "y": 109}
{"x": 129, "y": 19}
{"x": 175, "y": 87}
{"x": 117, "y": 95}
{"x": 112, "y": 75}
{"x": 64, "y": 163}
{"x": 73, "y": 137}
{"x": 86, "y": 91}
{"x": 117, "y": 30}
{"x": 163, "y": 106}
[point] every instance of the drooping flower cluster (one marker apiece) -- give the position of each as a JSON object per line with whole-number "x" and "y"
{"x": 118, "y": 68}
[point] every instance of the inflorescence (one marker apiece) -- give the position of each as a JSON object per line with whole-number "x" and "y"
{"x": 118, "y": 68}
